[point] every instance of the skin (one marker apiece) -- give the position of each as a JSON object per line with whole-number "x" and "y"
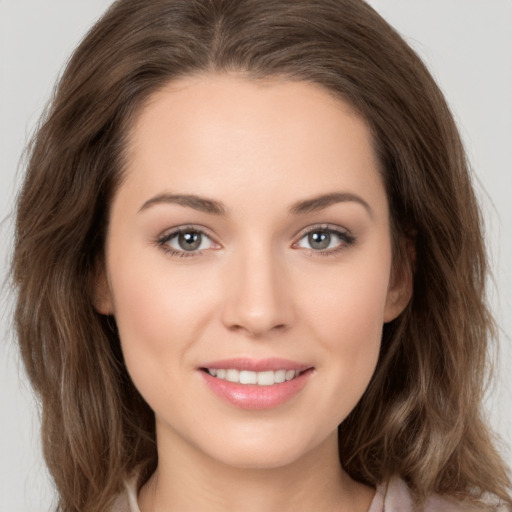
{"x": 255, "y": 288}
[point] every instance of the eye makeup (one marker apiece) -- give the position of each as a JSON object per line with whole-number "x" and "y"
{"x": 324, "y": 240}
{"x": 192, "y": 241}
{"x": 186, "y": 241}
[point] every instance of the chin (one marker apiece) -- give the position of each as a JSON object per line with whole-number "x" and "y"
{"x": 266, "y": 452}
{"x": 262, "y": 458}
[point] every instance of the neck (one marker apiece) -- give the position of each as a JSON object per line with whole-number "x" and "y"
{"x": 187, "y": 479}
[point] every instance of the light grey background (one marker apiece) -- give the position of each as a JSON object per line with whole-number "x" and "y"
{"x": 466, "y": 43}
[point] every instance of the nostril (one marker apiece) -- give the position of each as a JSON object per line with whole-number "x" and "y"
{"x": 256, "y": 330}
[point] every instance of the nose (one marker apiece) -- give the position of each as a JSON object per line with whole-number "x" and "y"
{"x": 258, "y": 296}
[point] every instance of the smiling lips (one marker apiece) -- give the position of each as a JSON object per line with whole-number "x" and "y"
{"x": 267, "y": 378}
{"x": 251, "y": 384}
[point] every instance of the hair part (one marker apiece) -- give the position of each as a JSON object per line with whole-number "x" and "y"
{"x": 421, "y": 415}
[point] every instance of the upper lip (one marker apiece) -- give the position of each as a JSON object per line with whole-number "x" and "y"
{"x": 257, "y": 365}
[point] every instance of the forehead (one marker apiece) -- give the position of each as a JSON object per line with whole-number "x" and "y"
{"x": 215, "y": 133}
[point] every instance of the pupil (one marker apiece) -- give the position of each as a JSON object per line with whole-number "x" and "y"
{"x": 189, "y": 241}
{"x": 319, "y": 239}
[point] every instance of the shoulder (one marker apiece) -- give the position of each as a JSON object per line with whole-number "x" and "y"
{"x": 395, "y": 496}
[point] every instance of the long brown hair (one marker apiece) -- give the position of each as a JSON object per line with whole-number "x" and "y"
{"x": 421, "y": 415}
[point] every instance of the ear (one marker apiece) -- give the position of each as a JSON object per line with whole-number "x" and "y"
{"x": 101, "y": 295}
{"x": 401, "y": 281}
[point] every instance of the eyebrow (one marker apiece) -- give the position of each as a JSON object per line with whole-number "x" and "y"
{"x": 323, "y": 201}
{"x": 214, "y": 207}
{"x": 201, "y": 204}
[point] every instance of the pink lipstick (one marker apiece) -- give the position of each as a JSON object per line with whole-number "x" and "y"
{"x": 256, "y": 384}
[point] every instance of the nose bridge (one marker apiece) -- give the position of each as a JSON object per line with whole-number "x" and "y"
{"x": 258, "y": 299}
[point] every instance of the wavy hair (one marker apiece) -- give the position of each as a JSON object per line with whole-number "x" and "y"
{"x": 421, "y": 416}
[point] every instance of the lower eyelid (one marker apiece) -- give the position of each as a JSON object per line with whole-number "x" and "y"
{"x": 346, "y": 239}
{"x": 326, "y": 253}
{"x": 163, "y": 241}
{"x": 182, "y": 254}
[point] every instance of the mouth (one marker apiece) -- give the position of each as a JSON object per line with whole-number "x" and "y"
{"x": 256, "y": 384}
{"x": 248, "y": 377}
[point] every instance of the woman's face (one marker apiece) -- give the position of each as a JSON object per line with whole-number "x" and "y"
{"x": 248, "y": 244}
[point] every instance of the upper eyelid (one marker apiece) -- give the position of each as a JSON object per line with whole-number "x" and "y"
{"x": 171, "y": 232}
{"x": 164, "y": 239}
{"x": 322, "y": 226}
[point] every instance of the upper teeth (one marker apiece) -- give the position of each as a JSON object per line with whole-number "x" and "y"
{"x": 267, "y": 378}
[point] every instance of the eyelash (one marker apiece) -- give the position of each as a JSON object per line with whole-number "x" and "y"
{"x": 163, "y": 242}
{"x": 345, "y": 237}
{"x": 346, "y": 240}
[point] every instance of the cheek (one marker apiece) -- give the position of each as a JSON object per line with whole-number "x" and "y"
{"x": 159, "y": 315}
{"x": 159, "y": 312}
{"x": 350, "y": 302}
{"x": 351, "y": 334}
{"x": 346, "y": 318}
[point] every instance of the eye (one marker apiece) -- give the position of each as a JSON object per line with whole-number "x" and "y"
{"x": 325, "y": 239}
{"x": 186, "y": 242}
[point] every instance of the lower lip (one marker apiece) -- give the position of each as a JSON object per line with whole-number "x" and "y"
{"x": 249, "y": 396}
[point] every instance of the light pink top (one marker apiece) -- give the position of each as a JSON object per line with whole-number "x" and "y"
{"x": 391, "y": 497}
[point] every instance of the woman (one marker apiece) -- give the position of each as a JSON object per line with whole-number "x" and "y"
{"x": 242, "y": 258}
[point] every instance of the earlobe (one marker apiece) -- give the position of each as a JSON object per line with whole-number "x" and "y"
{"x": 397, "y": 300}
{"x": 102, "y": 298}
{"x": 401, "y": 282}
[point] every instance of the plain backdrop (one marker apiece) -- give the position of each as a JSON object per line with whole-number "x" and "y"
{"x": 467, "y": 45}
